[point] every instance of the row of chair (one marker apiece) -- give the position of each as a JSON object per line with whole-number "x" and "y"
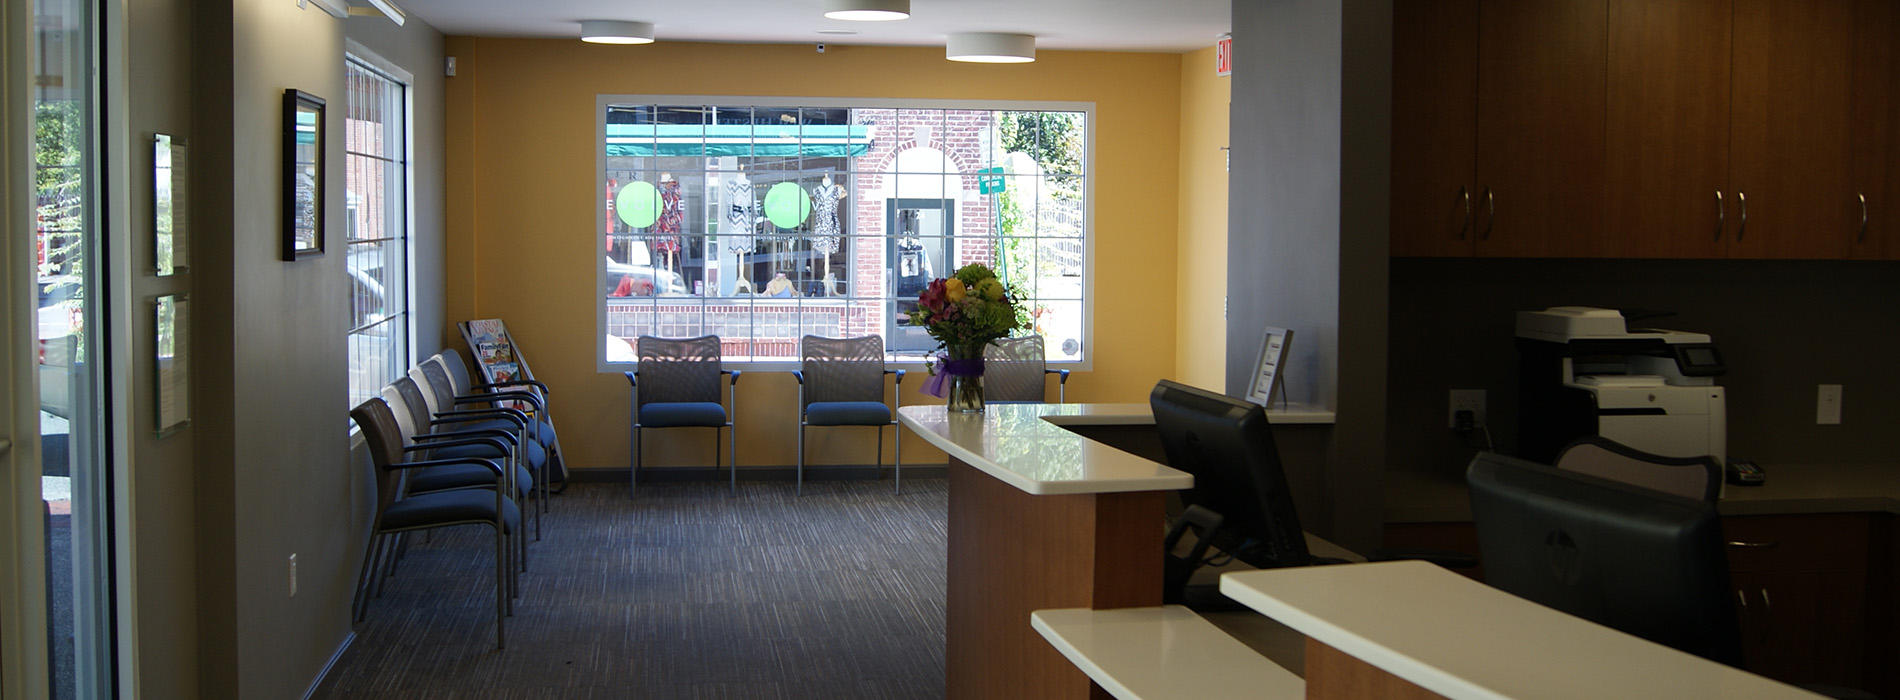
{"x": 449, "y": 451}
{"x": 840, "y": 383}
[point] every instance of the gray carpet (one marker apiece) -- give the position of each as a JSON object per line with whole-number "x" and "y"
{"x": 684, "y": 593}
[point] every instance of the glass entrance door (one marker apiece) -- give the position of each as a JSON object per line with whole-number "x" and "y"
{"x": 918, "y": 253}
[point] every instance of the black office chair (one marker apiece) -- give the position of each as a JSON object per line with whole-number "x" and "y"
{"x": 1240, "y": 504}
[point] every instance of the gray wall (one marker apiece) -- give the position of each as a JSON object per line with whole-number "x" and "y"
{"x": 1307, "y": 230}
{"x": 1784, "y": 327}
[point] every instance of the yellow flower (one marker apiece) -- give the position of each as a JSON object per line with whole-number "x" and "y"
{"x": 953, "y": 290}
{"x": 990, "y": 289}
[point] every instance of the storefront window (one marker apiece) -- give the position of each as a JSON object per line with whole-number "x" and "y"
{"x": 763, "y": 223}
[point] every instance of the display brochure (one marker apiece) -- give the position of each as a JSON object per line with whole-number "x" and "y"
{"x": 1267, "y": 369}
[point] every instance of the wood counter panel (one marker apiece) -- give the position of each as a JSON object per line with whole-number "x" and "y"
{"x": 1011, "y": 553}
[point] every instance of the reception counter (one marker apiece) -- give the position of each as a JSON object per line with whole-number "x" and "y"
{"x": 1040, "y": 517}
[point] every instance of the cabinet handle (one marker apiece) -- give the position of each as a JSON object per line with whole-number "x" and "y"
{"x": 1721, "y": 215}
{"x": 1743, "y": 595}
{"x": 1491, "y": 213}
{"x": 1464, "y": 229}
{"x": 1767, "y": 604}
{"x": 1755, "y": 545}
{"x": 1863, "y": 217}
{"x": 1741, "y": 229}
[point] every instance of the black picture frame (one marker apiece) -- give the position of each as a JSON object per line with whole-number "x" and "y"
{"x": 304, "y": 171}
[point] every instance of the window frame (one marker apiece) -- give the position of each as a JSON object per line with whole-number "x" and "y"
{"x": 604, "y": 100}
{"x": 402, "y": 321}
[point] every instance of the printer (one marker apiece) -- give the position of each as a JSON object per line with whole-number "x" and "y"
{"x": 1583, "y": 371}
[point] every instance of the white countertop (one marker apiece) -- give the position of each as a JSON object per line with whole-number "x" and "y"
{"x": 1467, "y": 641}
{"x": 1163, "y": 652}
{"x": 1013, "y": 443}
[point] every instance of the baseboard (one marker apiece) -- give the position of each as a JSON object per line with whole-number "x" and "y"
{"x": 324, "y": 674}
{"x": 813, "y": 472}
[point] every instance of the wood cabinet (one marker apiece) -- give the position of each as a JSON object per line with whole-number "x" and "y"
{"x": 1801, "y": 584}
{"x": 1645, "y": 128}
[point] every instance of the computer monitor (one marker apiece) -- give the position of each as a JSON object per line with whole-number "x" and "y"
{"x": 1228, "y": 447}
{"x": 1645, "y": 562}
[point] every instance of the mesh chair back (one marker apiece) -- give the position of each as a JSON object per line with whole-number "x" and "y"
{"x": 677, "y": 370}
{"x": 401, "y": 412}
{"x": 842, "y": 369}
{"x": 382, "y": 436}
{"x": 1690, "y": 477}
{"x": 1013, "y": 369}
{"x": 456, "y": 369}
{"x": 413, "y": 399}
{"x": 439, "y": 389}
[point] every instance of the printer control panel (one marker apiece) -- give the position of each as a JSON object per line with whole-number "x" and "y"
{"x": 1699, "y": 360}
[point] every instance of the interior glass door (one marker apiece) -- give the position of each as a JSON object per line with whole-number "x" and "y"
{"x": 918, "y": 252}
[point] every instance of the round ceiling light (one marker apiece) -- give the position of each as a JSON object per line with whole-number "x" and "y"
{"x": 613, "y": 31}
{"x": 986, "y": 47}
{"x": 867, "y": 10}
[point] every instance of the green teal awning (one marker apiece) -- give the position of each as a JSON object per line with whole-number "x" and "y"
{"x": 712, "y": 140}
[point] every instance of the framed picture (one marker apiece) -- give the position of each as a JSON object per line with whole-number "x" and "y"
{"x": 171, "y": 246}
{"x": 171, "y": 357}
{"x": 303, "y": 175}
{"x": 1266, "y": 376}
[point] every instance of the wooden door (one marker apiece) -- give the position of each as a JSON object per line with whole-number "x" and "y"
{"x": 1788, "y": 154}
{"x": 1666, "y": 140}
{"x": 1541, "y": 92}
{"x": 1874, "y": 145}
{"x": 1434, "y": 127}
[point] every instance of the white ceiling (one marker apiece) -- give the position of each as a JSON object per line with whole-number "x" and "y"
{"x": 1120, "y": 25}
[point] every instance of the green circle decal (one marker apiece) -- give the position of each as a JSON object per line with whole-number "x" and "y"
{"x": 787, "y": 205}
{"x": 638, "y": 204}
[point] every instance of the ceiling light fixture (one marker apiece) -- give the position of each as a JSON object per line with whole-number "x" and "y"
{"x": 613, "y": 31}
{"x": 987, "y": 47}
{"x": 867, "y": 10}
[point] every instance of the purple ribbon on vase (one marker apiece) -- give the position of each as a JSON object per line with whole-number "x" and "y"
{"x": 938, "y": 383}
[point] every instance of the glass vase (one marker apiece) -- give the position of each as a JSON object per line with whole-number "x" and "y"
{"x": 966, "y": 390}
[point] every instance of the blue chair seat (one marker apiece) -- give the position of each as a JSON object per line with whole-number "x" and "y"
{"x": 682, "y": 415}
{"x": 432, "y": 509}
{"x": 462, "y": 476}
{"x": 847, "y": 413}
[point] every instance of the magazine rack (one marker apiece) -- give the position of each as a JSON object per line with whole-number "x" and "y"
{"x": 503, "y": 369}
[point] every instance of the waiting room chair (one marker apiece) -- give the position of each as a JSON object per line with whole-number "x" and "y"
{"x": 676, "y": 385}
{"x": 398, "y": 511}
{"x": 841, "y": 382}
{"x": 469, "y": 436}
{"x": 452, "y": 396}
{"x": 1690, "y": 477}
{"x": 506, "y": 371}
{"x": 1013, "y": 371}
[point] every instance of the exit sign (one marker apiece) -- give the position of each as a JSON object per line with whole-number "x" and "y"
{"x": 1224, "y": 56}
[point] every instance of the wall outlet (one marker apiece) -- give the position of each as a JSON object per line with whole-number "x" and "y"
{"x": 1466, "y": 400}
{"x": 293, "y": 575}
{"x": 1827, "y": 408}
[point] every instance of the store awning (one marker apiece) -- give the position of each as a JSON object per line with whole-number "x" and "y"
{"x": 810, "y": 141}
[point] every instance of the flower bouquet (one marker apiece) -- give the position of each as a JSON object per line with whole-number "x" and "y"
{"x": 964, "y": 312}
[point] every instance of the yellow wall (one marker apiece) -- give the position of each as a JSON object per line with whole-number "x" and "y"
{"x": 523, "y": 193}
{"x": 1200, "y": 356}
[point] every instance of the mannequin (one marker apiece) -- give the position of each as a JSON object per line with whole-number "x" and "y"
{"x": 737, "y": 233}
{"x": 672, "y": 213}
{"x": 826, "y": 231}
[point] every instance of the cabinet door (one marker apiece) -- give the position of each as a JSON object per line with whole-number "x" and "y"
{"x": 1788, "y": 130}
{"x": 1874, "y": 143}
{"x": 1666, "y": 140}
{"x": 1804, "y": 626}
{"x": 1434, "y": 127}
{"x": 1541, "y": 94}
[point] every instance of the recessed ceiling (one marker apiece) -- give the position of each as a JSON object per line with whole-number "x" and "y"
{"x": 1101, "y": 25}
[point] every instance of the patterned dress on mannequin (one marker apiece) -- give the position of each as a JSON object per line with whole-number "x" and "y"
{"x": 672, "y": 214}
{"x": 741, "y": 206}
{"x": 824, "y": 228}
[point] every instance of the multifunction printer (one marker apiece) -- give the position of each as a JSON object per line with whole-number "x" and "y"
{"x": 1583, "y": 371}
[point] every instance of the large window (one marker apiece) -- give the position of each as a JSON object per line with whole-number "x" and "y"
{"x": 762, "y": 222}
{"x": 376, "y": 163}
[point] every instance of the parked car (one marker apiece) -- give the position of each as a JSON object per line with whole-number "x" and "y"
{"x": 641, "y": 278}
{"x": 60, "y": 320}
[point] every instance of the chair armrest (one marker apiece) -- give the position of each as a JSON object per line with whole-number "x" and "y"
{"x": 492, "y": 466}
{"x": 502, "y": 435}
{"x": 1062, "y": 374}
{"x": 898, "y": 372}
{"x": 518, "y": 416}
{"x": 632, "y": 380}
{"x": 734, "y": 372}
{"x": 799, "y": 375}
{"x": 514, "y": 382}
{"x": 527, "y": 396}
{"x": 463, "y": 441}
